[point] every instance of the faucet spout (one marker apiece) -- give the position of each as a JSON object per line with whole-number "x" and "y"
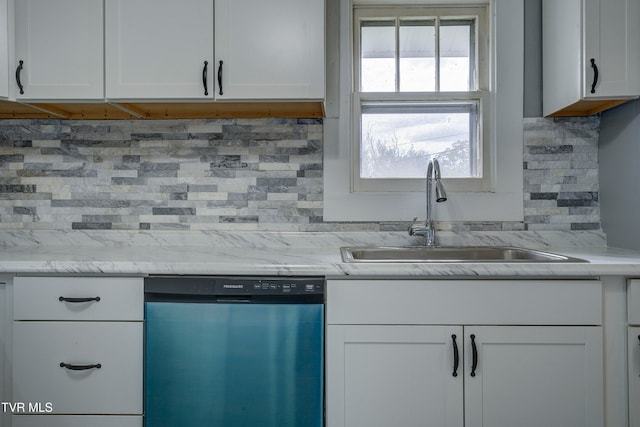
{"x": 441, "y": 194}
{"x": 428, "y": 230}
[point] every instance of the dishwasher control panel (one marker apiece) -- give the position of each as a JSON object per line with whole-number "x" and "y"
{"x": 270, "y": 286}
{"x": 211, "y": 287}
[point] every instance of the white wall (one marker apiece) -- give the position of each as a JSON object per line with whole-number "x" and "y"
{"x": 619, "y": 154}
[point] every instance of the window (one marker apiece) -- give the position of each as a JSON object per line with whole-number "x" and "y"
{"x": 420, "y": 84}
{"x": 498, "y": 100}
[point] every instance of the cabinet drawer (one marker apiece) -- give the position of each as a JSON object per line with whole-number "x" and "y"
{"x": 633, "y": 301}
{"x": 115, "y": 388}
{"x": 76, "y": 421}
{"x": 38, "y": 298}
{"x": 480, "y": 302}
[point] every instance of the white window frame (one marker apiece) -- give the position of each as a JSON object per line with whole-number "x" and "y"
{"x": 483, "y": 182}
{"x": 502, "y": 112}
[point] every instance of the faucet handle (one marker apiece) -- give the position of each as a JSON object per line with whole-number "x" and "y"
{"x": 412, "y": 226}
{"x": 416, "y": 229}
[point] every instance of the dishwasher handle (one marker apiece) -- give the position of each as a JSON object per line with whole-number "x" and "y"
{"x": 234, "y": 299}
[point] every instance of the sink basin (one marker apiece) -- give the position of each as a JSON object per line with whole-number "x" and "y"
{"x": 452, "y": 254}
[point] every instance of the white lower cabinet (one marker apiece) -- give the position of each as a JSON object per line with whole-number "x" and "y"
{"x": 472, "y": 374}
{"x": 6, "y": 309}
{"x": 633, "y": 346}
{"x": 77, "y": 352}
{"x": 634, "y": 376}
{"x": 76, "y": 421}
{"x": 381, "y": 375}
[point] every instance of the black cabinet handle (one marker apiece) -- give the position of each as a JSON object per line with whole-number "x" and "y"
{"x": 595, "y": 75}
{"x": 639, "y": 338}
{"x": 204, "y": 78}
{"x": 474, "y": 348}
{"x": 71, "y": 367}
{"x": 18, "y": 70}
{"x": 220, "y": 78}
{"x": 76, "y": 300}
{"x": 456, "y": 356}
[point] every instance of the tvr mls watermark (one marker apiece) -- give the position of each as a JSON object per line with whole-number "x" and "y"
{"x": 27, "y": 407}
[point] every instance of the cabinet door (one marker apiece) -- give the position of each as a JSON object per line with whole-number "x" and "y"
{"x": 157, "y": 49}
{"x": 60, "y": 46}
{"x": 4, "y": 49}
{"x": 610, "y": 42}
{"x": 380, "y": 376}
{"x": 634, "y": 376}
{"x": 534, "y": 376}
{"x": 270, "y": 49}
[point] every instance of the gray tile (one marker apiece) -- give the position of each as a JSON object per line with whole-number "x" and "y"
{"x": 119, "y": 174}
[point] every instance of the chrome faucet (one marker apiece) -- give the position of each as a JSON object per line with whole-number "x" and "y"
{"x": 428, "y": 230}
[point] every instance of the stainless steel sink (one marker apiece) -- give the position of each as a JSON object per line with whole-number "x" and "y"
{"x": 452, "y": 254}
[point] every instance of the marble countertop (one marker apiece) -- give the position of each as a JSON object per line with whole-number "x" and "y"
{"x": 274, "y": 253}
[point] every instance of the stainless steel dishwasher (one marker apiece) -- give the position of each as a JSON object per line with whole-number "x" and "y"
{"x": 234, "y": 351}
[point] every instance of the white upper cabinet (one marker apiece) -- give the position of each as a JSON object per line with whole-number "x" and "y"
{"x": 59, "y": 49}
{"x": 270, "y": 49}
{"x": 591, "y": 55}
{"x": 188, "y": 50}
{"x": 159, "y": 49}
{"x": 4, "y": 49}
{"x": 163, "y": 49}
{"x": 610, "y": 30}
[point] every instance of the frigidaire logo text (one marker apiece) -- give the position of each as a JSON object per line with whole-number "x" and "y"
{"x": 232, "y": 286}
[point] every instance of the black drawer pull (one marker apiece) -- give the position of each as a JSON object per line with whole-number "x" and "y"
{"x": 456, "y": 356}
{"x": 72, "y": 367}
{"x": 220, "y": 78}
{"x": 18, "y": 70}
{"x": 77, "y": 300}
{"x": 204, "y": 78}
{"x": 474, "y": 364}
{"x": 595, "y": 75}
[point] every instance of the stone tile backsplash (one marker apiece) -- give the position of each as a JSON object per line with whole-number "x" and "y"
{"x": 561, "y": 174}
{"x": 242, "y": 174}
